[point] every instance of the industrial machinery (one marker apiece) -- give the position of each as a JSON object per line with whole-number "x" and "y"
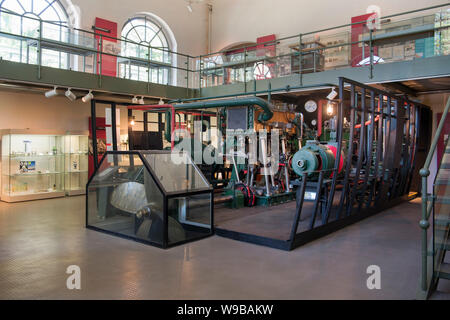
{"x": 342, "y": 159}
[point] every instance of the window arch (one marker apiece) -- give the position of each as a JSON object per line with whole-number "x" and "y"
{"x": 146, "y": 38}
{"x": 15, "y": 19}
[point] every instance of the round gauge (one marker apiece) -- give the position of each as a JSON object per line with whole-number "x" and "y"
{"x": 311, "y": 106}
{"x": 314, "y": 122}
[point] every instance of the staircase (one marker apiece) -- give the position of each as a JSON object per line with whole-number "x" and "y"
{"x": 435, "y": 264}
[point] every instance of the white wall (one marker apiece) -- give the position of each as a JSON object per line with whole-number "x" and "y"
{"x": 236, "y": 21}
{"x": 190, "y": 29}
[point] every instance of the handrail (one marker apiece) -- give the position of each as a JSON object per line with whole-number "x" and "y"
{"x": 96, "y": 34}
{"x": 328, "y": 29}
{"x": 426, "y": 208}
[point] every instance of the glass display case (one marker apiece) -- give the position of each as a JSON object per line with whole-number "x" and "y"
{"x": 76, "y": 164}
{"x": 32, "y": 166}
{"x": 154, "y": 197}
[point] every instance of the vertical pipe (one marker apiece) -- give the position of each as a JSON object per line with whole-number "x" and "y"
{"x": 264, "y": 156}
{"x": 286, "y": 173}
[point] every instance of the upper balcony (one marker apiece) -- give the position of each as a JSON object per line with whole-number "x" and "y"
{"x": 402, "y": 47}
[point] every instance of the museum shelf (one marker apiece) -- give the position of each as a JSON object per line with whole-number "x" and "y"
{"x": 32, "y": 165}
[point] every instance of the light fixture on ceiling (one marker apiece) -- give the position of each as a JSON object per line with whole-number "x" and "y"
{"x": 330, "y": 108}
{"x": 333, "y": 94}
{"x": 141, "y": 100}
{"x": 70, "y": 95}
{"x": 88, "y": 97}
{"x": 134, "y": 100}
{"x": 161, "y": 102}
{"x": 52, "y": 93}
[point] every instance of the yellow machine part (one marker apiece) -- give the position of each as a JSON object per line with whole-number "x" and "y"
{"x": 278, "y": 117}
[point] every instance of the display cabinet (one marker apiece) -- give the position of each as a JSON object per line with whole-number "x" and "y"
{"x": 76, "y": 147}
{"x": 151, "y": 197}
{"x": 32, "y": 165}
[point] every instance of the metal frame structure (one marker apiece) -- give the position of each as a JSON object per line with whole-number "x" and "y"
{"x": 166, "y": 197}
{"x": 370, "y": 184}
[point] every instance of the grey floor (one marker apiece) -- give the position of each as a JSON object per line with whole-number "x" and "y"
{"x": 39, "y": 240}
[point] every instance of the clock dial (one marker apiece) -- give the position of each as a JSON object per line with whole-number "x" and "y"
{"x": 310, "y": 106}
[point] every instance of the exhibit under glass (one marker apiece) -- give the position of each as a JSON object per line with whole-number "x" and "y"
{"x": 151, "y": 197}
{"x": 32, "y": 167}
{"x": 76, "y": 164}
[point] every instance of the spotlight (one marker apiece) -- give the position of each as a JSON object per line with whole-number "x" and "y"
{"x": 88, "y": 97}
{"x": 161, "y": 102}
{"x": 134, "y": 100}
{"x": 330, "y": 108}
{"x": 333, "y": 94}
{"x": 70, "y": 95}
{"x": 52, "y": 93}
{"x": 141, "y": 100}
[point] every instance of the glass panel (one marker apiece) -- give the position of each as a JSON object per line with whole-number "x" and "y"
{"x": 76, "y": 162}
{"x": 32, "y": 164}
{"x": 176, "y": 173}
{"x": 189, "y": 217}
{"x": 124, "y": 199}
{"x": 442, "y": 209}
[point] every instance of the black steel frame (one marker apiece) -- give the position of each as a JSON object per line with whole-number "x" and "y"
{"x": 166, "y": 197}
{"x": 367, "y": 188}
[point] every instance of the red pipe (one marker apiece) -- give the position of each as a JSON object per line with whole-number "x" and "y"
{"x": 367, "y": 122}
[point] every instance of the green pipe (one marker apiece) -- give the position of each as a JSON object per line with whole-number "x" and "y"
{"x": 247, "y": 101}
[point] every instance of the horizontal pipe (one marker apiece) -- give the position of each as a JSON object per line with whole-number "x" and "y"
{"x": 248, "y": 101}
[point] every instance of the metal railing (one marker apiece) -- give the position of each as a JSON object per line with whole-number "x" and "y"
{"x": 315, "y": 51}
{"x": 323, "y": 49}
{"x": 428, "y": 201}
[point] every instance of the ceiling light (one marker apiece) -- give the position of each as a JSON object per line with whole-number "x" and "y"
{"x": 134, "y": 100}
{"x": 70, "y": 95}
{"x": 141, "y": 100}
{"x": 52, "y": 93}
{"x": 333, "y": 94}
{"x": 330, "y": 108}
{"x": 88, "y": 97}
{"x": 161, "y": 102}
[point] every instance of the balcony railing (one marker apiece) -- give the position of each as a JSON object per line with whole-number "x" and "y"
{"x": 411, "y": 35}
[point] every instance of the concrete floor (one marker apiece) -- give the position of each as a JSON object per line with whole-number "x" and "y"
{"x": 39, "y": 240}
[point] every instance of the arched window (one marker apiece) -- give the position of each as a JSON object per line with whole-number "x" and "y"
{"x": 146, "y": 38}
{"x": 23, "y": 18}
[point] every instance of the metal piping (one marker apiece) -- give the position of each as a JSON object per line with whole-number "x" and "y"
{"x": 248, "y": 101}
